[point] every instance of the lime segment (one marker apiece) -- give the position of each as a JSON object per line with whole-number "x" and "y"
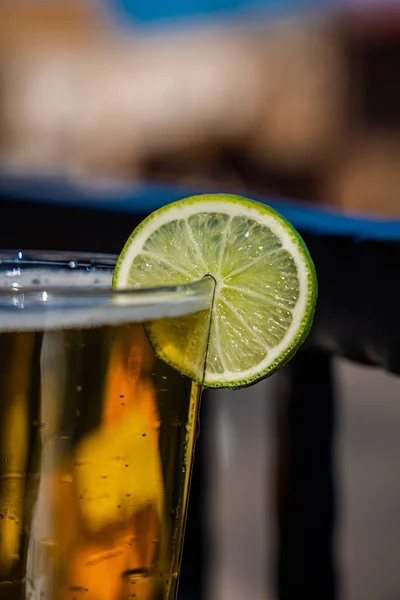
{"x": 265, "y": 283}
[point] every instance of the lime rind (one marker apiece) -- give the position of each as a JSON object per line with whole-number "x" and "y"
{"x": 208, "y": 259}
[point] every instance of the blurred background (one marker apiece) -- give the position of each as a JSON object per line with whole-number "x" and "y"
{"x": 110, "y": 108}
{"x": 291, "y": 97}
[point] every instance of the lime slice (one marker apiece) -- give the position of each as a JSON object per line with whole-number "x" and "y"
{"x": 265, "y": 291}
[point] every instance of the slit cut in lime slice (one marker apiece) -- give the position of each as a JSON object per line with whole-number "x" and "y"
{"x": 265, "y": 292}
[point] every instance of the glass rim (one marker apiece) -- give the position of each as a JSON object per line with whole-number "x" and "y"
{"x": 87, "y": 260}
{"x": 74, "y": 301}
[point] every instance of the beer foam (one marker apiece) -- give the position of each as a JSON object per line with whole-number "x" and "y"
{"x": 37, "y": 299}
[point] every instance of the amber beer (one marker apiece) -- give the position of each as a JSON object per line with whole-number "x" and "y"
{"x": 96, "y": 437}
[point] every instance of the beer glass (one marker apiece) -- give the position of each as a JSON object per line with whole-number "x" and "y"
{"x": 97, "y": 433}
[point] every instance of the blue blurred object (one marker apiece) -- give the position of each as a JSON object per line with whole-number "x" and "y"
{"x": 154, "y": 10}
{"x": 143, "y": 197}
{"x": 149, "y": 10}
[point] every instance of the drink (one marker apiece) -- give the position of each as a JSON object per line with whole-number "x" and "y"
{"x": 96, "y": 435}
